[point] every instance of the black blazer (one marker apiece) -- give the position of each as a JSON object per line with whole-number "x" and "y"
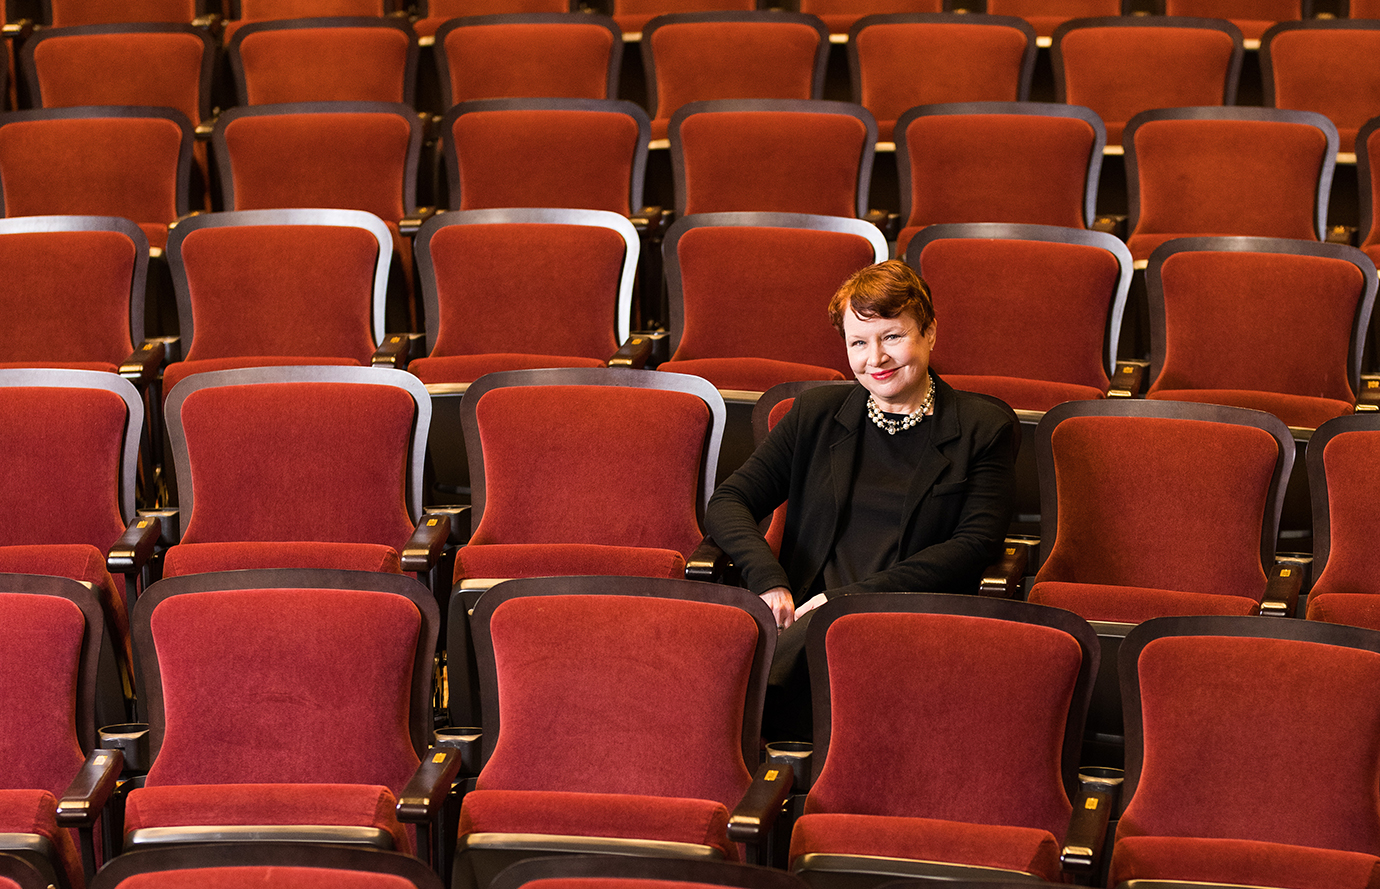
{"x": 956, "y": 513}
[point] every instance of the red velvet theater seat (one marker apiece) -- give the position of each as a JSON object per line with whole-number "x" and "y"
{"x": 301, "y": 467}
{"x": 1120, "y": 66}
{"x": 1026, "y": 162}
{"x": 1263, "y": 172}
{"x": 51, "y": 644}
{"x": 529, "y": 54}
{"x": 583, "y": 871}
{"x": 244, "y": 12}
{"x": 1253, "y": 17}
{"x": 583, "y": 153}
{"x": 696, "y": 56}
{"x": 1047, "y": 15}
{"x": 62, "y": 13}
{"x": 940, "y": 748}
{"x": 772, "y": 155}
{"x": 1154, "y": 508}
{"x": 1250, "y": 754}
{"x": 901, "y": 60}
{"x": 482, "y": 270}
{"x": 772, "y": 275}
{"x": 620, "y": 714}
{"x": 95, "y": 160}
{"x": 1299, "y": 63}
{"x": 1217, "y": 305}
{"x": 1031, "y": 313}
{"x": 352, "y": 59}
{"x": 435, "y": 13}
{"x": 70, "y": 440}
{"x": 268, "y": 865}
{"x": 1342, "y": 456}
{"x": 250, "y": 674}
{"x": 1363, "y": 9}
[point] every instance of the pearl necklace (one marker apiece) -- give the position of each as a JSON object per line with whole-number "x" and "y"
{"x": 890, "y": 426}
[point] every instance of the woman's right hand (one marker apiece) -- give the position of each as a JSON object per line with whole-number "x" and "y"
{"x": 782, "y": 605}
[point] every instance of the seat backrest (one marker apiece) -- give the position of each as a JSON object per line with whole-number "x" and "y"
{"x": 1158, "y": 62}
{"x": 696, "y": 56}
{"x": 98, "y": 160}
{"x": 572, "y": 268}
{"x": 1264, "y": 172}
{"x": 633, "y": 15}
{"x": 607, "y": 646}
{"x": 156, "y": 64}
{"x": 1253, "y": 17}
{"x": 70, "y": 440}
{"x": 299, "y": 453}
{"x": 1298, "y": 63}
{"x": 245, "y": 12}
{"x": 602, "y": 438}
{"x": 772, "y": 274}
{"x": 1217, "y": 305}
{"x": 291, "y": 283}
{"x": 1159, "y": 494}
{"x": 73, "y": 291}
{"x": 62, "y": 13}
{"x": 350, "y": 649}
{"x": 1200, "y": 690}
{"x": 839, "y": 16}
{"x": 1046, "y": 15}
{"x": 50, "y": 646}
{"x": 345, "y": 155}
{"x": 269, "y": 865}
{"x": 531, "y": 54}
{"x": 585, "y": 153}
{"x": 902, "y": 60}
{"x": 1346, "y": 513}
{"x": 1026, "y": 162}
{"x": 1036, "y": 304}
{"x": 940, "y": 688}
{"x": 636, "y": 872}
{"x": 355, "y": 59}
{"x": 772, "y": 155}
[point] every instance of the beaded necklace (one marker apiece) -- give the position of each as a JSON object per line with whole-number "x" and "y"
{"x": 890, "y": 426}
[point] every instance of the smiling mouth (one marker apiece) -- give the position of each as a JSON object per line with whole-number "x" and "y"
{"x": 882, "y": 374}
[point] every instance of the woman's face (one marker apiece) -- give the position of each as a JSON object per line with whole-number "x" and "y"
{"x": 890, "y": 357}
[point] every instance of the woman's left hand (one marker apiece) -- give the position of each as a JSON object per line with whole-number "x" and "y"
{"x": 782, "y": 606}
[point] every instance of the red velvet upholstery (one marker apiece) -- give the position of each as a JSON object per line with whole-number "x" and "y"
{"x": 630, "y": 677}
{"x": 902, "y": 64}
{"x": 35, "y": 812}
{"x": 1253, "y": 17}
{"x": 1364, "y": 9}
{"x": 1165, "y": 506}
{"x": 1305, "y": 75}
{"x": 41, "y": 269}
{"x": 1023, "y": 320}
{"x": 774, "y": 282}
{"x": 1343, "y": 591}
{"x": 1120, "y": 71}
{"x": 633, "y": 15}
{"x": 224, "y": 671}
{"x": 995, "y": 167}
{"x": 82, "y": 166}
{"x": 771, "y": 159}
{"x": 96, "y": 12}
{"x": 969, "y": 715}
{"x": 352, "y": 63}
{"x": 1225, "y": 177}
{"x": 83, "y": 563}
{"x": 202, "y": 558}
{"x": 438, "y": 12}
{"x": 266, "y": 877}
{"x": 841, "y": 15}
{"x": 544, "y": 158}
{"x": 1046, "y": 15}
{"x": 269, "y": 10}
{"x": 1215, "y": 349}
{"x": 569, "y": 57}
{"x": 1202, "y": 810}
{"x": 180, "y": 370}
{"x": 504, "y": 560}
{"x": 728, "y": 59}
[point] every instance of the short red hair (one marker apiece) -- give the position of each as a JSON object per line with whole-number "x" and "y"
{"x": 884, "y": 290}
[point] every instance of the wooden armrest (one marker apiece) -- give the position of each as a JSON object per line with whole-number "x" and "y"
{"x": 18, "y": 32}
{"x": 424, "y": 548}
{"x": 1112, "y": 224}
{"x": 84, "y": 798}
{"x": 1005, "y": 578}
{"x": 132, "y": 550}
{"x": 888, "y": 223}
{"x": 143, "y": 366}
{"x": 635, "y": 353}
{"x": 1341, "y": 234}
{"x": 651, "y": 221}
{"x": 708, "y": 563}
{"x": 1282, "y": 590}
{"x": 1092, "y": 812}
{"x": 1129, "y": 379}
{"x": 460, "y": 529}
{"x": 421, "y": 799}
{"x": 753, "y": 818}
{"x": 393, "y": 352}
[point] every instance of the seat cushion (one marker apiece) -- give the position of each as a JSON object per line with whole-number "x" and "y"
{"x": 1241, "y": 861}
{"x": 749, "y": 374}
{"x": 180, "y": 370}
{"x": 1025, "y": 849}
{"x": 1352, "y": 609}
{"x": 35, "y": 812}
{"x": 664, "y": 819}
{"x": 509, "y": 560}
{"x": 354, "y": 805}
{"x": 201, "y": 558}
{"x": 1295, "y": 410}
{"x": 468, "y": 368}
{"x": 1092, "y": 601}
{"x": 1024, "y": 395}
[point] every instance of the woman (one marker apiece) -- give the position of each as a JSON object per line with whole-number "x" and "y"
{"x": 899, "y": 484}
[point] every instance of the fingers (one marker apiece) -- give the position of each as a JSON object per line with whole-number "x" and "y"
{"x": 782, "y": 606}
